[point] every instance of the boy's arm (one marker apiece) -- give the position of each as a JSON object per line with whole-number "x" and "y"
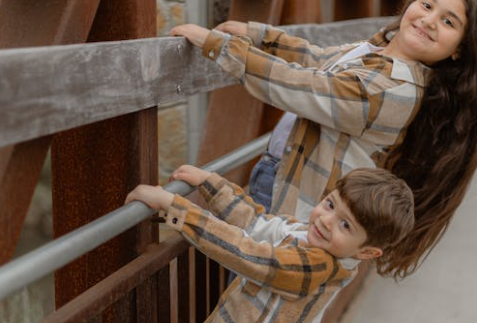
{"x": 290, "y": 270}
{"x": 228, "y": 202}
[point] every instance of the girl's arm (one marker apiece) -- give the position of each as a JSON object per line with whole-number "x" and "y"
{"x": 289, "y": 270}
{"x": 348, "y": 99}
{"x": 277, "y": 42}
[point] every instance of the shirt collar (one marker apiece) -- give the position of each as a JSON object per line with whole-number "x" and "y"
{"x": 411, "y": 72}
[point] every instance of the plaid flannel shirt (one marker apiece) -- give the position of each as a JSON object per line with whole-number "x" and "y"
{"x": 349, "y": 115}
{"x": 281, "y": 278}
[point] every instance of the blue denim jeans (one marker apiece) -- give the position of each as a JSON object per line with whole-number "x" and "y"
{"x": 261, "y": 180}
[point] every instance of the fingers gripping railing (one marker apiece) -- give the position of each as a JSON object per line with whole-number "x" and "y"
{"x": 54, "y": 255}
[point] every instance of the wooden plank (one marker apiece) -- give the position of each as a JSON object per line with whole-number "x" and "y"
{"x": 45, "y": 90}
{"x": 103, "y": 80}
{"x": 23, "y": 24}
{"x": 112, "y": 288}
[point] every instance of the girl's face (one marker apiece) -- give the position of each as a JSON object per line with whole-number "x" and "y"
{"x": 430, "y": 31}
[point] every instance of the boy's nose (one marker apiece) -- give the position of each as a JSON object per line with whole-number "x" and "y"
{"x": 326, "y": 221}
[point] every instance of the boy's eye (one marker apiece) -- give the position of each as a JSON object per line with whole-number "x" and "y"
{"x": 329, "y": 204}
{"x": 426, "y": 5}
{"x": 345, "y": 224}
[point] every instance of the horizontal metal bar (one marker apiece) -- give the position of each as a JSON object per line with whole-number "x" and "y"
{"x": 54, "y": 255}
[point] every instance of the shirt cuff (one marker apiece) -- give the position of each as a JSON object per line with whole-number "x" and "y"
{"x": 214, "y": 44}
{"x": 256, "y": 32}
{"x": 177, "y": 212}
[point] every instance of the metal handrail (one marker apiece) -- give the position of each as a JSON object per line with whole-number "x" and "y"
{"x": 59, "y": 252}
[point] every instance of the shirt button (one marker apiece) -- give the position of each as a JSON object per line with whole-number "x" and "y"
{"x": 211, "y": 54}
{"x": 174, "y": 220}
{"x": 288, "y": 149}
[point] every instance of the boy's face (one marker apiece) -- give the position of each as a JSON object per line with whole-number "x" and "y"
{"x": 333, "y": 228}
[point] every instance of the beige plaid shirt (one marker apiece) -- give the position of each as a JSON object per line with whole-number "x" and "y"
{"x": 349, "y": 115}
{"x": 281, "y": 278}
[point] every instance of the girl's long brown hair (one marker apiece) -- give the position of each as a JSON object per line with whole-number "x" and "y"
{"x": 438, "y": 156}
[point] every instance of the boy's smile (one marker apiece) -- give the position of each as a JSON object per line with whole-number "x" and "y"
{"x": 333, "y": 228}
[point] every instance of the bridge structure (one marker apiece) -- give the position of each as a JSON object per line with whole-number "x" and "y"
{"x": 85, "y": 80}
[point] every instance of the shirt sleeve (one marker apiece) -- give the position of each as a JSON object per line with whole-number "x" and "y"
{"x": 287, "y": 269}
{"x": 228, "y": 202}
{"x": 277, "y": 42}
{"x": 345, "y": 99}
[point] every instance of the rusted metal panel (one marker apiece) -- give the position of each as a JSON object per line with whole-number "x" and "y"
{"x": 22, "y": 168}
{"x": 27, "y": 23}
{"x": 390, "y": 7}
{"x": 183, "y": 288}
{"x": 112, "y": 288}
{"x": 345, "y": 9}
{"x": 23, "y": 24}
{"x": 303, "y": 12}
{"x": 95, "y": 166}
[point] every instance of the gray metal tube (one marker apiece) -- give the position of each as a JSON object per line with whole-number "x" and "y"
{"x": 54, "y": 255}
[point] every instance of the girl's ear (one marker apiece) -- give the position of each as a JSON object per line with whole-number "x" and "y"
{"x": 368, "y": 252}
{"x": 455, "y": 56}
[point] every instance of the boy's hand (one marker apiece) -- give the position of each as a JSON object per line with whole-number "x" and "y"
{"x": 195, "y": 34}
{"x": 233, "y": 27}
{"x": 153, "y": 196}
{"x": 192, "y": 175}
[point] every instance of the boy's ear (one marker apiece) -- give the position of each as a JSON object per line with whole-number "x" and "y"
{"x": 368, "y": 252}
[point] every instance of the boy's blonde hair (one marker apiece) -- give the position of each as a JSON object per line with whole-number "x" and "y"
{"x": 382, "y": 204}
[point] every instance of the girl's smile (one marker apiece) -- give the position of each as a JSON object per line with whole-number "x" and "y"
{"x": 430, "y": 31}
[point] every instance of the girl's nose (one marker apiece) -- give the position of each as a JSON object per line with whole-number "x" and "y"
{"x": 429, "y": 21}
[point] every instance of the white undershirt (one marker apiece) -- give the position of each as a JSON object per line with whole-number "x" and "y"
{"x": 283, "y": 128}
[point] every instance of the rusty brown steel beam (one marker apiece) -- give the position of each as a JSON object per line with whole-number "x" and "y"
{"x": 345, "y": 9}
{"x": 303, "y": 12}
{"x": 95, "y": 166}
{"x": 112, "y": 288}
{"x": 390, "y": 7}
{"x": 23, "y": 24}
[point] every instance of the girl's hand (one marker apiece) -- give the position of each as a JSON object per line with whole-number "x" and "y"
{"x": 195, "y": 34}
{"x": 153, "y": 196}
{"x": 192, "y": 175}
{"x": 233, "y": 27}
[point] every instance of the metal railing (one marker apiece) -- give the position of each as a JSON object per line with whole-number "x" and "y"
{"x": 54, "y": 255}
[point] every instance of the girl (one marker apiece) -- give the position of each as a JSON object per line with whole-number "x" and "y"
{"x": 385, "y": 103}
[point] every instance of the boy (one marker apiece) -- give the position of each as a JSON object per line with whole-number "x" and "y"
{"x": 288, "y": 271}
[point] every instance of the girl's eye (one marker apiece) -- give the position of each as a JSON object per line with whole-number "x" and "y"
{"x": 426, "y": 5}
{"x": 448, "y": 22}
{"x": 345, "y": 224}
{"x": 329, "y": 204}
